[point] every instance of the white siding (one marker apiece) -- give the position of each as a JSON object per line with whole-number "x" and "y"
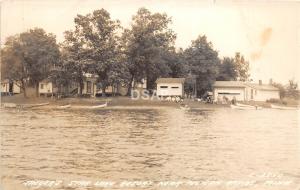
{"x": 5, "y": 87}
{"x": 228, "y": 92}
{"x": 263, "y": 95}
{"x": 45, "y": 87}
{"x": 16, "y": 88}
{"x": 172, "y": 89}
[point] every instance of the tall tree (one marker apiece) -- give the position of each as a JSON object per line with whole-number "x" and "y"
{"x": 242, "y": 67}
{"x": 176, "y": 63}
{"x": 29, "y": 56}
{"x": 203, "y": 62}
{"x": 282, "y": 91}
{"x": 96, "y": 35}
{"x": 227, "y": 70}
{"x": 144, "y": 44}
{"x": 74, "y": 56}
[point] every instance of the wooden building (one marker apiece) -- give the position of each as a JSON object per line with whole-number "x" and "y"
{"x": 170, "y": 87}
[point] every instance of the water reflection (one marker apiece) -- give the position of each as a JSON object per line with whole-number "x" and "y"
{"x": 152, "y": 144}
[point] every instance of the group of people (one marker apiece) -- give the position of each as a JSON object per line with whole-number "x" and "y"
{"x": 226, "y": 100}
{"x": 174, "y": 99}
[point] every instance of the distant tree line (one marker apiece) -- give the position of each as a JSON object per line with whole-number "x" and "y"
{"x": 289, "y": 90}
{"x": 99, "y": 45}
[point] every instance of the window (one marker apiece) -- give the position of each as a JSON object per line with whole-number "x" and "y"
{"x": 229, "y": 93}
{"x": 163, "y": 86}
{"x": 175, "y": 87}
{"x": 42, "y": 86}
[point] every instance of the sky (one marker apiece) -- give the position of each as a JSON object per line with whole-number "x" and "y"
{"x": 267, "y": 33}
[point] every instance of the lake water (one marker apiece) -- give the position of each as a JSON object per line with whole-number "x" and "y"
{"x": 220, "y": 149}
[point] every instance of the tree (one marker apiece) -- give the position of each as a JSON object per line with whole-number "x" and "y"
{"x": 227, "y": 70}
{"x": 176, "y": 63}
{"x": 282, "y": 91}
{"x": 144, "y": 46}
{"x": 74, "y": 57}
{"x": 29, "y": 56}
{"x": 242, "y": 67}
{"x": 203, "y": 62}
{"x": 95, "y": 40}
{"x": 292, "y": 89}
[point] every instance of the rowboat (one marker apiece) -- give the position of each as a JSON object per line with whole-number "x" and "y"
{"x": 99, "y": 106}
{"x": 64, "y": 106}
{"x": 9, "y": 105}
{"x": 283, "y": 107}
{"x": 35, "y": 105}
{"x": 12, "y": 105}
{"x": 245, "y": 107}
{"x": 249, "y": 106}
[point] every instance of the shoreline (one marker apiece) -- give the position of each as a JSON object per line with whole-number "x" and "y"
{"x": 114, "y": 103}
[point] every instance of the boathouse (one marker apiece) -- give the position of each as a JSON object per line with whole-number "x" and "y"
{"x": 228, "y": 90}
{"x": 170, "y": 87}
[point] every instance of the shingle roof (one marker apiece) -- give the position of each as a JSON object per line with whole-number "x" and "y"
{"x": 240, "y": 84}
{"x": 262, "y": 86}
{"x": 170, "y": 80}
{"x": 229, "y": 84}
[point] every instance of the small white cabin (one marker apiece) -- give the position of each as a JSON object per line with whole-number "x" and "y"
{"x": 46, "y": 87}
{"x": 170, "y": 87}
{"x": 10, "y": 87}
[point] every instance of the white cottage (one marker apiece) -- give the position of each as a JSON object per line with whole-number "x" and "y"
{"x": 46, "y": 87}
{"x": 244, "y": 91}
{"x": 170, "y": 87}
{"x": 261, "y": 92}
{"x": 10, "y": 87}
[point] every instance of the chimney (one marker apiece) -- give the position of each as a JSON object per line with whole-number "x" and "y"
{"x": 260, "y": 82}
{"x": 270, "y": 81}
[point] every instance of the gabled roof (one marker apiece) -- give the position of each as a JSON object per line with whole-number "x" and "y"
{"x": 262, "y": 86}
{"x": 170, "y": 80}
{"x": 240, "y": 84}
{"x": 235, "y": 84}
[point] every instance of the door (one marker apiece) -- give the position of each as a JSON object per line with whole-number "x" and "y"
{"x": 89, "y": 87}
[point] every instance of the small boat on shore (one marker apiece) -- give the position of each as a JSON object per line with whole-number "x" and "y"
{"x": 248, "y": 107}
{"x": 99, "y": 106}
{"x": 35, "y": 105}
{"x": 13, "y": 105}
{"x": 283, "y": 107}
{"x": 243, "y": 105}
{"x": 9, "y": 105}
{"x": 64, "y": 106}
